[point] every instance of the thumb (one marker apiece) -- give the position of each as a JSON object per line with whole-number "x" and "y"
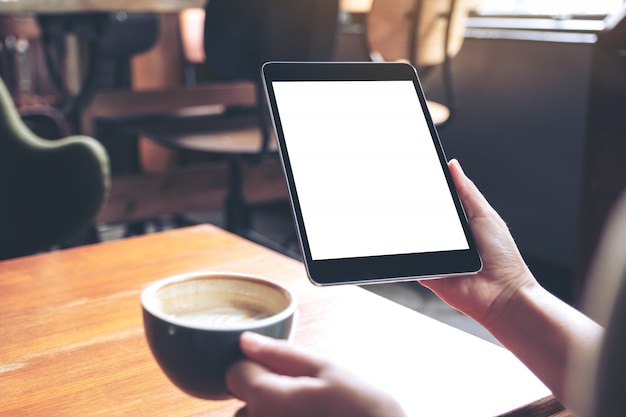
{"x": 279, "y": 356}
{"x": 474, "y": 202}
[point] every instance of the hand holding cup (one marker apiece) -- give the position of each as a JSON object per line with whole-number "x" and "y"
{"x": 193, "y": 323}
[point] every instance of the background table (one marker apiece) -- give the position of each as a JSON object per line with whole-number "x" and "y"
{"x": 65, "y": 6}
{"x": 73, "y": 342}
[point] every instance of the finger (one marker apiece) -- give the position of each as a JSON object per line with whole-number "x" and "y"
{"x": 245, "y": 376}
{"x": 242, "y": 412}
{"x": 279, "y": 356}
{"x": 262, "y": 388}
{"x": 474, "y": 202}
{"x": 485, "y": 222}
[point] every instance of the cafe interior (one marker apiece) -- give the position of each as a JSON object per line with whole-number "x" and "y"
{"x": 526, "y": 94}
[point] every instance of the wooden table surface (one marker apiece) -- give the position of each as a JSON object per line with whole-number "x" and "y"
{"x": 72, "y": 6}
{"x": 73, "y": 341}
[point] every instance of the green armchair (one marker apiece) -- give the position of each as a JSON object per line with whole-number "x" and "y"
{"x": 50, "y": 190}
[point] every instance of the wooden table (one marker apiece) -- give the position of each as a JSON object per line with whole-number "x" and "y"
{"x": 73, "y": 341}
{"x": 72, "y": 6}
{"x": 161, "y": 6}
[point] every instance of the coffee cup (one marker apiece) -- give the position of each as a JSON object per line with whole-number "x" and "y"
{"x": 193, "y": 322}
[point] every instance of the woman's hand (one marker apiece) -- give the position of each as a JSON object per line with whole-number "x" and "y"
{"x": 279, "y": 380}
{"x": 541, "y": 330}
{"x": 504, "y": 272}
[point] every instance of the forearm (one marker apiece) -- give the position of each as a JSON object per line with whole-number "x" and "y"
{"x": 541, "y": 330}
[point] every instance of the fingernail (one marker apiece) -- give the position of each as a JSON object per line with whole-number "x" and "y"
{"x": 456, "y": 162}
{"x": 253, "y": 341}
{"x": 459, "y": 165}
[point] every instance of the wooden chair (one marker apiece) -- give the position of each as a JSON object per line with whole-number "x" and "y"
{"x": 425, "y": 33}
{"x": 239, "y": 36}
{"x": 595, "y": 379}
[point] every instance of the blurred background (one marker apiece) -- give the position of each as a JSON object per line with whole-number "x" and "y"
{"x": 527, "y": 94}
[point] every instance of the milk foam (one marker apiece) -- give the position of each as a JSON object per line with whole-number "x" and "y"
{"x": 222, "y": 316}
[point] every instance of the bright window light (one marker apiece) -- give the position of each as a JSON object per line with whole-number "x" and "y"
{"x": 550, "y": 7}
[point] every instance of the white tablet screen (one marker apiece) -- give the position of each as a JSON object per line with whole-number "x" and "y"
{"x": 366, "y": 171}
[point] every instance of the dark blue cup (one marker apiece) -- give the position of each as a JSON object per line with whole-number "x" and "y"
{"x": 193, "y": 322}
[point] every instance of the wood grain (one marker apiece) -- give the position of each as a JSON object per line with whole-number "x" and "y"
{"x": 65, "y": 6}
{"x": 73, "y": 343}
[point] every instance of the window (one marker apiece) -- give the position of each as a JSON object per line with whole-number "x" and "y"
{"x": 575, "y": 21}
{"x": 549, "y": 7}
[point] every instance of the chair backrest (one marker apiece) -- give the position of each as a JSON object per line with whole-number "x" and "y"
{"x": 611, "y": 372}
{"x": 240, "y": 35}
{"x": 109, "y": 36}
{"x": 596, "y": 379}
{"x": 423, "y": 32}
{"x": 49, "y": 190}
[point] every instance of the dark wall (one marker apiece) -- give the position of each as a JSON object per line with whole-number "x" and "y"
{"x": 518, "y": 132}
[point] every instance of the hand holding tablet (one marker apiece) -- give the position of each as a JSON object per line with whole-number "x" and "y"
{"x": 371, "y": 194}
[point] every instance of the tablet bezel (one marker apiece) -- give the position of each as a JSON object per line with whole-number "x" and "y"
{"x": 368, "y": 269}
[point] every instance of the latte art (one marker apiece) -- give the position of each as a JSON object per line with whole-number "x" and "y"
{"x": 223, "y": 316}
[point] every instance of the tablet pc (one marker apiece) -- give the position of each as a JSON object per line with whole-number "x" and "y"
{"x": 372, "y": 197}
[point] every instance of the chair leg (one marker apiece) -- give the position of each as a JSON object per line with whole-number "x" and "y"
{"x": 136, "y": 228}
{"x": 85, "y": 237}
{"x": 236, "y": 210}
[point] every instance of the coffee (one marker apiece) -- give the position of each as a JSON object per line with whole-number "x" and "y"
{"x": 193, "y": 323}
{"x": 219, "y": 302}
{"x": 223, "y": 316}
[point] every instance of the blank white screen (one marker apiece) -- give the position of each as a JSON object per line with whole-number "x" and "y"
{"x": 365, "y": 169}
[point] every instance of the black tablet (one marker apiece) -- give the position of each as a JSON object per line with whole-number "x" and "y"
{"x": 370, "y": 189}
